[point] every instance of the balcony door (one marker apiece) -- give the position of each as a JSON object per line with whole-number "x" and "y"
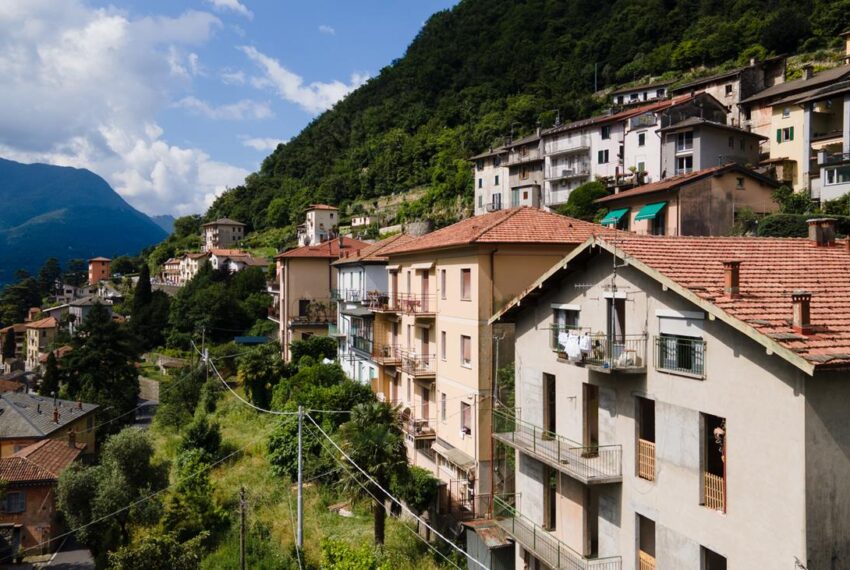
{"x": 549, "y": 408}
{"x": 617, "y": 320}
{"x": 425, "y": 342}
{"x": 426, "y": 398}
{"x": 393, "y": 288}
{"x": 591, "y": 418}
{"x": 425, "y": 289}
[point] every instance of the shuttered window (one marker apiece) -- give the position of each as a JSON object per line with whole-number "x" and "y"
{"x": 466, "y": 351}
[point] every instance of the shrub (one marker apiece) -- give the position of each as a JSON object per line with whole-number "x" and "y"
{"x": 783, "y": 225}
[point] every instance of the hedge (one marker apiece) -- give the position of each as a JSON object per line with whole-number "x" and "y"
{"x": 794, "y": 225}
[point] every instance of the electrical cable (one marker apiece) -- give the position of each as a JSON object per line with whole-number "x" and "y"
{"x": 294, "y": 530}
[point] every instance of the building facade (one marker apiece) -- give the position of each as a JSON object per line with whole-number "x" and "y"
{"x": 221, "y": 234}
{"x": 696, "y": 144}
{"x": 28, "y": 418}
{"x": 40, "y": 337}
{"x": 320, "y": 224}
{"x": 99, "y": 269}
{"x": 490, "y": 176}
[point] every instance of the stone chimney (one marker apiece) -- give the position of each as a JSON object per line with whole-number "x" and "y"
{"x": 72, "y": 438}
{"x": 732, "y": 278}
{"x": 808, "y": 71}
{"x": 822, "y": 231}
{"x": 801, "y": 302}
{"x": 55, "y": 415}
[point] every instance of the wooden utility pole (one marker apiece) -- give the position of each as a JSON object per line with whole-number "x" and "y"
{"x": 242, "y": 508}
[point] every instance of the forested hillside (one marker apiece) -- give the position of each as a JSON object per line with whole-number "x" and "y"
{"x": 475, "y": 72}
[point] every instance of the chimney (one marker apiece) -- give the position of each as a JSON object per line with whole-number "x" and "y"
{"x": 822, "y": 231}
{"x": 79, "y": 404}
{"x": 72, "y": 438}
{"x": 808, "y": 71}
{"x": 38, "y": 407}
{"x": 801, "y": 302}
{"x": 55, "y": 415}
{"x": 732, "y": 278}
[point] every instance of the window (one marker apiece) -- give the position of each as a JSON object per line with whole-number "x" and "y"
{"x": 645, "y": 438}
{"x": 658, "y": 225}
{"x": 497, "y": 160}
{"x": 634, "y": 96}
{"x": 443, "y": 345}
{"x": 442, "y": 283}
{"x": 480, "y": 182}
{"x": 15, "y": 502}
{"x": 713, "y": 462}
{"x": 728, "y": 89}
{"x": 303, "y": 307}
{"x": 523, "y": 173}
{"x": 443, "y": 405}
{"x": 660, "y": 93}
{"x": 839, "y": 175}
{"x": 731, "y": 142}
{"x": 646, "y": 542}
{"x": 525, "y": 195}
{"x": 514, "y": 197}
{"x": 496, "y": 183}
{"x": 641, "y": 167}
{"x": 466, "y": 351}
{"x": 676, "y": 353}
{"x": 641, "y": 139}
{"x": 740, "y": 184}
{"x": 710, "y": 560}
{"x": 684, "y": 164}
{"x": 619, "y": 99}
{"x": 465, "y": 418}
{"x": 409, "y": 392}
{"x": 606, "y": 132}
{"x": 466, "y": 284}
{"x": 742, "y": 144}
{"x": 563, "y": 320}
{"x": 786, "y": 112}
{"x": 684, "y": 141}
{"x": 602, "y": 157}
{"x": 480, "y": 200}
{"x": 785, "y": 135}
{"x": 479, "y": 164}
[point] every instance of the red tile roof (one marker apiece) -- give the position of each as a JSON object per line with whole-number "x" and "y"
{"x": 375, "y": 252}
{"x": 321, "y": 207}
{"x": 516, "y": 225}
{"x": 42, "y": 461}
{"x": 48, "y": 323}
{"x": 674, "y": 182}
{"x": 328, "y": 249}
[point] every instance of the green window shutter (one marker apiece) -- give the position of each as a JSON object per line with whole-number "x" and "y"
{"x": 791, "y": 134}
{"x": 779, "y": 135}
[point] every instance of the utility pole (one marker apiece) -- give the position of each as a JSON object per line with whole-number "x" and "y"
{"x": 299, "y": 537}
{"x": 242, "y": 508}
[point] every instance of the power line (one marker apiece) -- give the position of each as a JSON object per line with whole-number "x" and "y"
{"x": 395, "y": 500}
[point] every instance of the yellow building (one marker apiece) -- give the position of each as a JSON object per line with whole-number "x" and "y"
{"x": 28, "y": 418}
{"x": 40, "y": 335}
{"x": 434, "y": 348}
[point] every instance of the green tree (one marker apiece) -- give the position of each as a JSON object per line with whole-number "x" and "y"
{"x": 49, "y": 273}
{"x": 580, "y": 204}
{"x": 260, "y": 369}
{"x": 339, "y": 555}
{"x": 791, "y": 202}
{"x": 160, "y": 552}
{"x": 179, "y": 398}
{"x": 191, "y": 508}
{"x": 51, "y": 379}
{"x": 9, "y": 344}
{"x": 204, "y": 436}
{"x": 76, "y": 272}
{"x": 316, "y": 347}
{"x": 417, "y": 487}
{"x": 372, "y": 438}
{"x": 101, "y": 367}
{"x": 17, "y": 298}
{"x": 142, "y": 293}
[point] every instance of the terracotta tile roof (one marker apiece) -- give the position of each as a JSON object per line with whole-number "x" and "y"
{"x": 374, "y": 252}
{"x": 788, "y": 87}
{"x": 321, "y": 207}
{"x": 100, "y": 259}
{"x": 700, "y": 122}
{"x": 17, "y": 327}
{"x": 43, "y": 461}
{"x": 48, "y": 323}
{"x": 11, "y": 386}
{"x": 329, "y": 249}
{"x": 223, "y": 222}
{"x": 516, "y": 225}
{"x": 199, "y": 255}
{"x": 674, "y": 182}
{"x": 644, "y": 86}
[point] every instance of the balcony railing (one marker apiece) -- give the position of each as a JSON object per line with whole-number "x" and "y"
{"x": 589, "y": 464}
{"x": 835, "y": 158}
{"x": 362, "y": 344}
{"x": 646, "y": 459}
{"x": 714, "y": 491}
{"x": 418, "y": 365}
{"x": 493, "y": 206}
{"x": 623, "y": 353}
{"x": 543, "y": 544}
{"x": 419, "y": 428}
{"x": 568, "y": 171}
{"x": 315, "y": 311}
{"x": 274, "y": 312}
{"x": 348, "y": 295}
{"x": 680, "y": 354}
{"x": 410, "y": 303}
{"x": 572, "y": 144}
{"x": 386, "y": 354}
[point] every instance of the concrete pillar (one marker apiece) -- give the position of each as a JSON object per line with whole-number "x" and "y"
{"x": 846, "y": 130}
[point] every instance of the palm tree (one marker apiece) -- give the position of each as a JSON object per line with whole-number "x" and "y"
{"x": 372, "y": 438}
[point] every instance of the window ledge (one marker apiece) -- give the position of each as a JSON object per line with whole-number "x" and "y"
{"x": 681, "y": 373}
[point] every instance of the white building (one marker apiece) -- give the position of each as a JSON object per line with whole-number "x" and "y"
{"x": 680, "y": 403}
{"x": 190, "y": 264}
{"x": 222, "y": 233}
{"x": 637, "y": 94}
{"x": 319, "y": 225}
{"x": 490, "y": 177}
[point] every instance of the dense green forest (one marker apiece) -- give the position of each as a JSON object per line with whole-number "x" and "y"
{"x": 485, "y": 67}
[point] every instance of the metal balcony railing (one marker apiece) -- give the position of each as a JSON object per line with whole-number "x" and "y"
{"x": 680, "y": 354}
{"x": 417, "y": 303}
{"x": 362, "y": 344}
{"x": 418, "y": 364}
{"x": 348, "y": 295}
{"x": 568, "y": 171}
{"x": 386, "y": 354}
{"x": 419, "y": 428}
{"x": 836, "y": 158}
{"x": 493, "y": 206}
{"x": 589, "y": 464}
{"x": 571, "y": 144}
{"x": 543, "y": 544}
{"x": 625, "y": 353}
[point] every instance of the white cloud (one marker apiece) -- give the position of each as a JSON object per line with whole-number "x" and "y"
{"x": 244, "y": 109}
{"x": 232, "y": 77}
{"x": 83, "y": 86}
{"x": 264, "y": 144}
{"x": 232, "y": 5}
{"x": 324, "y": 29}
{"x": 314, "y": 97}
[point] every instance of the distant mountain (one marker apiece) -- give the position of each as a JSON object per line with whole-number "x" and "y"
{"x": 165, "y": 221}
{"x": 54, "y": 211}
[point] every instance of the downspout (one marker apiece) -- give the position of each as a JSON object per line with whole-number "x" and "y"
{"x": 493, "y": 371}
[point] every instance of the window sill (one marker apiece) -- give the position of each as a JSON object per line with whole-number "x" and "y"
{"x": 681, "y": 373}
{"x": 467, "y": 366}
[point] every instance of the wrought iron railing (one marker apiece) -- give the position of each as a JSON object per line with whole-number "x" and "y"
{"x": 680, "y": 354}
{"x": 418, "y": 364}
{"x": 348, "y": 295}
{"x": 362, "y": 344}
{"x": 545, "y": 545}
{"x": 385, "y": 353}
{"x": 836, "y": 158}
{"x": 589, "y": 464}
{"x": 419, "y": 427}
{"x": 619, "y": 352}
{"x": 417, "y": 303}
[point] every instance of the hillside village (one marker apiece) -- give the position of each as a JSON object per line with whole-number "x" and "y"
{"x": 631, "y": 354}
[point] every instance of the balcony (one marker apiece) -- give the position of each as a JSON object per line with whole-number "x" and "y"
{"x": 274, "y": 313}
{"x": 380, "y": 302}
{"x": 565, "y": 146}
{"x": 568, "y": 171}
{"x": 516, "y": 158}
{"x": 419, "y": 366}
{"x": 493, "y": 206}
{"x": 348, "y": 295}
{"x": 422, "y": 305}
{"x": 591, "y": 465}
{"x": 387, "y": 354}
{"x": 826, "y": 158}
{"x": 543, "y": 544}
{"x": 623, "y": 353}
{"x": 680, "y": 355}
{"x": 362, "y": 344}
{"x": 419, "y": 429}
{"x": 313, "y": 312}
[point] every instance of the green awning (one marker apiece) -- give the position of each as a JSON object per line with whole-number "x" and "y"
{"x": 613, "y": 217}
{"x": 649, "y": 211}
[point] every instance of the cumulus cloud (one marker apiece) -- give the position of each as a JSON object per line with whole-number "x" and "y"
{"x": 313, "y": 97}
{"x": 262, "y": 144}
{"x": 230, "y": 77}
{"x": 244, "y": 109}
{"x": 233, "y": 6}
{"x": 82, "y": 87}
{"x": 324, "y": 29}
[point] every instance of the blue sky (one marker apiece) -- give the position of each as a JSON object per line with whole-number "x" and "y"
{"x": 172, "y": 101}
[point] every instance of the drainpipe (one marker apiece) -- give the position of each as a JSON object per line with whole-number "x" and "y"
{"x": 493, "y": 372}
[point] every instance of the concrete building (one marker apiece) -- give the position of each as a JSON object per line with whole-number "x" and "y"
{"x": 320, "y": 223}
{"x": 170, "y": 274}
{"x": 78, "y": 311}
{"x": 361, "y": 281}
{"x": 221, "y": 234}
{"x": 305, "y": 279}
{"x": 696, "y": 144}
{"x": 702, "y": 203}
{"x": 234, "y": 260}
{"x": 40, "y": 337}
{"x": 99, "y": 269}
{"x": 525, "y": 171}
{"x": 701, "y": 425}
{"x": 638, "y": 94}
{"x": 436, "y": 353}
{"x": 490, "y": 176}
{"x": 28, "y": 418}
{"x": 28, "y": 514}
{"x": 190, "y": 264}
{"x": 16, "y": 334}
{"x": 733, "y": 86}
{"x": 829, "y": 120}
